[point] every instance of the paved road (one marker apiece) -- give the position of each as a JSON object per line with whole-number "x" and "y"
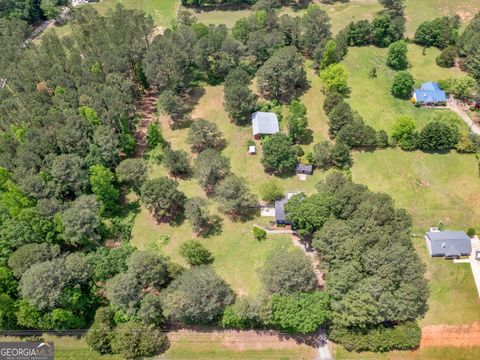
{"x": 460, "y": 109}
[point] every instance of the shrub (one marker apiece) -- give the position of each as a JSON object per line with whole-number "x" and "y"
{"x": 301, "y": 312}
{"x": 402, "y": 85}
{"x": 447, "y": 57}
{"x": 397, "y": 55}
{"x": 195, "y": 253}
{"x": 405, "y": 336}
{"x": 471, "y": 232}
{"x": 259, "y": 233}
{"x": 135, "y": 340}
{"x": 439, "y": 135}
{"x": 245, "y": 313}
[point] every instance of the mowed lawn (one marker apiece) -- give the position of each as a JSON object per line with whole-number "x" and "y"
{"x": 341, "y": 14}
{"x": 432, "y": 187}
{"x": 426, "y": 10}
{"x": 372, "y": 98}
{"x": 163, "y": 12}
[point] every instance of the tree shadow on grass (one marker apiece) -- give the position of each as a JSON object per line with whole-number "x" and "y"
{"x": 215, "y": 227}
{"x": 307, "y": 138}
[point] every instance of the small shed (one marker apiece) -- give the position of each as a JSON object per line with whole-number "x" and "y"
{"x": 304, "y": 169}
{"x": 448, "y": 244}
{"x": 429, "y": 94}
{"x": 264, "y": 123}
{"x": 252, "y": 150}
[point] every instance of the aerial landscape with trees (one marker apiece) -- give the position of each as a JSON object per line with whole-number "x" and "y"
{"x": 133, "y": 208}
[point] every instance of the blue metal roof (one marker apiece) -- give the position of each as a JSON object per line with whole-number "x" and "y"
{"x": 430, "y": 96}
{"x": 430, "y": 92}
{"x": 430, "y": 86}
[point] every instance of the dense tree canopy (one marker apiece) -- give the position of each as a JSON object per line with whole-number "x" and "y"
{"x": 363, "y": 278}
{"x": 197, "y": 296}
{"x": 287, "y": 273}
{"x": 282, "y": 76}
{"x": 162, "y": 198}
{"x": 279, "y": 156}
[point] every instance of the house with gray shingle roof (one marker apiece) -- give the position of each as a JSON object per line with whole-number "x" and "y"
{"x": 449, "y": 244}
{"x": 280, "y": 214}
{"x": 264, "y": 123}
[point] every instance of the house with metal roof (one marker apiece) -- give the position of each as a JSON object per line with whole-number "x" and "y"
{"x": 449, "y": 244}
{"x": 429, "y": 94}
{"x": 264, "y": 123}
{"x": 304, "y": 169}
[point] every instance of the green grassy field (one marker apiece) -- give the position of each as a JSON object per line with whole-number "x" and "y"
{"x": 425, "y": 10}
{"x": 163, "y": 12}
{"x": 371, "y": 97}
{"x": 341, "y": 14}
{"x": 237, "y": 254}
{"x": 432, "y": 187}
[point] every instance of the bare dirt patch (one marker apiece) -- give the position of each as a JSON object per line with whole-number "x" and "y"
{"x": 147, "y": 111}
{"x": 451, "y": 335}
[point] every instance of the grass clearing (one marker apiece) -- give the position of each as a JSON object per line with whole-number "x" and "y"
{"x": 69, "y": 348}
{"x": 371, "y": 97}
{"x": 432, "y": 187}
{"x": 341, "y": 14}
{"x": 426, "y": 10}
{"x": 237, "y": 254}
{"x": 164, "y": 12}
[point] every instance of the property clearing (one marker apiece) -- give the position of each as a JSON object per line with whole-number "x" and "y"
{"x": 451, "y": 335}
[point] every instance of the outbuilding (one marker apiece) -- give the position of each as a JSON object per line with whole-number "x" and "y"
{"x": 304, "y": 169}
{"x": 448, "y": 244}
{"x": 264, "y": 123}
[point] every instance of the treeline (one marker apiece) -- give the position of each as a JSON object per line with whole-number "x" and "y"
{"x": 67, "y": 119}
{"x": 31, "y": 11}
{"x": 364, "y": 242}
{"x": 444, "y": 33}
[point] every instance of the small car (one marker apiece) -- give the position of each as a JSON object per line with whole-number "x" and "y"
{"x": 477, "y": 255}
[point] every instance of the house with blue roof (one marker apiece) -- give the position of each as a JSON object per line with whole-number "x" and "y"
{"x": 264, "y": 123}
{"x": 429, "y": 94}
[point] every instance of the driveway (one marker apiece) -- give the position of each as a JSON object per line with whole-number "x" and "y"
{"x": 461, "y": 109}
{"x": 475, "y": 264}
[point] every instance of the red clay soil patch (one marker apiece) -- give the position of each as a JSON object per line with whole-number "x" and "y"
{"x": 451, "y": 335}
{"x": 146, "y": 110}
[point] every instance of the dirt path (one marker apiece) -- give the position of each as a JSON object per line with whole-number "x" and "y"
{"x": 451, "y": 335}
{"x": 147, "y": 110}
{"x": 313, "y": 257}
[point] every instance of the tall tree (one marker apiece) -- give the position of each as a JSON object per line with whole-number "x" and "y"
{"x": 162, "y": 198}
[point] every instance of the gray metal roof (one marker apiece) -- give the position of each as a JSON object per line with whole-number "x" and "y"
{"x": 449, "y": 243}
{"x": 307, "y": 169}
{"x": 280, "y": 216}
{"x": 264, "y": 123}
